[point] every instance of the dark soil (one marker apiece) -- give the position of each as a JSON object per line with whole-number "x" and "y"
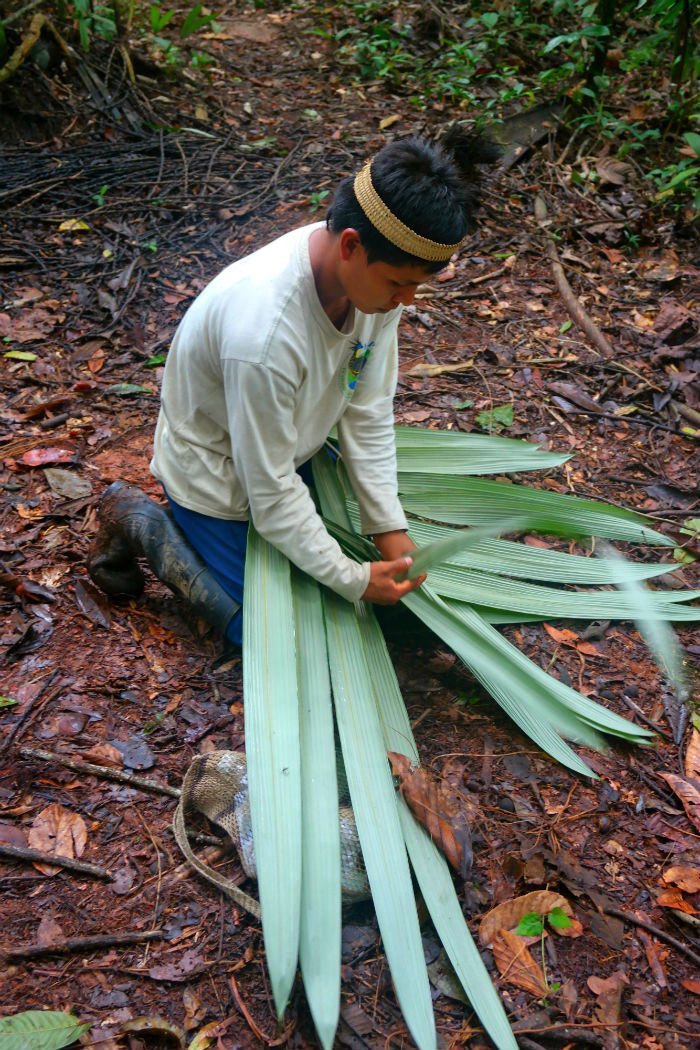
{"x": 173, "y": 179}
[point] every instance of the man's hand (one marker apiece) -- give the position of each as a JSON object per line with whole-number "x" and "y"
{"x": 384, "y": 587}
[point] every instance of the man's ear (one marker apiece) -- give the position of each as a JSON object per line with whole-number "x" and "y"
{"x": 349, "y": 243}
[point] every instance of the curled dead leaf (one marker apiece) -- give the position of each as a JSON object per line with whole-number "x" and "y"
{"x": 692, "y": 757}
{"x": 516, "y": 965}
{"x": 686, "y": 879}
{"x": 56, "y": 830}
{"x": 608, "y": 991}
{"x": 506, "y": 916}
{"x": 673, "y": 898}
{"x": 689, "y": 795}
{"x": 438, "y": 808}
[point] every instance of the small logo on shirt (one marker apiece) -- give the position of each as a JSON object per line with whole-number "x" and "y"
{"x": 358, "y": 359}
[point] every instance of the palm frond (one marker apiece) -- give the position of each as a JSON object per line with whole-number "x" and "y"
{"x": 320, "y": 935}
{"x": 271, "y": 711}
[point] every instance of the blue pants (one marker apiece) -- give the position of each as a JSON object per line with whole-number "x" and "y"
{"x": 221, "y": 545}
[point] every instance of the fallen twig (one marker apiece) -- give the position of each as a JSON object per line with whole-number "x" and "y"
{"x": 258, "y": 1032}
{"x": 79, "y": 766}
{"x": 82, "y": 944}
{"x": 45, "y": 693}
{"x": 629, "y": 917}
{"x": 573, "y": 306}
{"x": 39, "y": 856}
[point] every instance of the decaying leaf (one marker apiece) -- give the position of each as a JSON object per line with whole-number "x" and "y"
{"x": 686, "y": 879}
{"x": 692, "y": 757}
{"x": 608, "y": 991}
{"x": 182, "y": 969}
{"x": 57, "y": 830}
{"x": 691, "y": 985}
{"x": 104, "y": 755}
{"x": 516, "y": 965}
{"x": 438, "y": 808}
{"x": 689, "y": 795}
{"x": 424, "y": 368}
{"x": 92, "y": 604}
{"x": 565, "y": 636}
{"x": 506, "y": 916}
{"x": 41, "y": 457}
{"x": 67, "y": 484}
{"x": 673, "y": 898}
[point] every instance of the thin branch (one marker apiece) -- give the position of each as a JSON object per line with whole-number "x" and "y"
{"x": 105, "y": 772}
{"x": 34, "y": 856}
{"x": 83, "y": 944}
{"x": 51, "y": 694}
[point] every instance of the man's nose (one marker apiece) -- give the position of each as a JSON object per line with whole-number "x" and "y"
{"x": 406, "y": 296}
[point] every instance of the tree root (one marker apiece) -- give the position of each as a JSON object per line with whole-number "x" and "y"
{"x": 21, "y": 53}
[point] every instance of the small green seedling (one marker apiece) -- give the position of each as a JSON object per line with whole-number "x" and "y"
{"x": 317, "y": 199}
{"x": 533, "y": 925}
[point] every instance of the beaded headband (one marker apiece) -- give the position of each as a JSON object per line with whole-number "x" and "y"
{"x": 391, "y": 227}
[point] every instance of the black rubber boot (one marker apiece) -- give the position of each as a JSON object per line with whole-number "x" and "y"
{"x": 134, "y": 526}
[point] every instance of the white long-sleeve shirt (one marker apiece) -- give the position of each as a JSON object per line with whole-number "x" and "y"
{"x": 256, "y": 378}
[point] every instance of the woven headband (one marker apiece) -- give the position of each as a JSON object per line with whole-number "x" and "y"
{"x": 384, "y": 220}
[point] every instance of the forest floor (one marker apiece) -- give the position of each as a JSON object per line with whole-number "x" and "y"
{"x": 119, "y": 206}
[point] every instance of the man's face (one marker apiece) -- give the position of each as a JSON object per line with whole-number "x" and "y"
{"x": 378, "y": 287}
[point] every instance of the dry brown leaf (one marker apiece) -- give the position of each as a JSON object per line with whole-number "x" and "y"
{"x": 516, "y": 965}
{"x": 686, "y": 879}
{"x": 506, "y": 916}
{"x": 688, "y": 794}
{"x": 438, "y": 808}
{"x": 692, "y": 757}
{"x": 423, "y": 368}
{"x": 573, "y": 931}
{"x": 691, "y": 985}
{"x": 57, "y": 830}
{"x": 104, "y": 755}
{"x": 608, "y": 991}
{"x": 613, "y": 172}
{"x": 674, "y": 899}
{"x": 49, "y": 932}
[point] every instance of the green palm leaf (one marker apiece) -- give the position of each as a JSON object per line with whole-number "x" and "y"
{"x": 374, "y": 806}
{"x": 271, "y": 710}
{"x": 428, "y": 863}
{"x": 475, "y": 501}
{"x": 451, "y": 452}
{"x": 320, "y": 937}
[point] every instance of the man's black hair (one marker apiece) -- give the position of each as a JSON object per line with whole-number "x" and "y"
{"x": 431, "y": 188}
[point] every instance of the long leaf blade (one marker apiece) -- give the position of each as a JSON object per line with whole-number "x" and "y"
{"x": 450, "y": 452}
{"x": 271, "y": 711}
{"x": 660, "y": 638}
{"x": 320, "y": 935}
{"x": 374, "y": 805}
{"x": 429, "y": 865}
{"x": 477, "y": 501}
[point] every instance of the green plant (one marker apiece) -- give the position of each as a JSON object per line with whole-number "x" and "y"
{"x": 316, "y": 199}
{"x": 533, "y": 925}
{"x": 93, "y": 19}
{"x": 100, "y": 196}
{"x": 308, "y": 654}
{"x": 679, "y": 183}
{"x": 195, "y": 20}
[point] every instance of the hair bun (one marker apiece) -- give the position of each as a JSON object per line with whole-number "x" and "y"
{"x": 469, "y": 150}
